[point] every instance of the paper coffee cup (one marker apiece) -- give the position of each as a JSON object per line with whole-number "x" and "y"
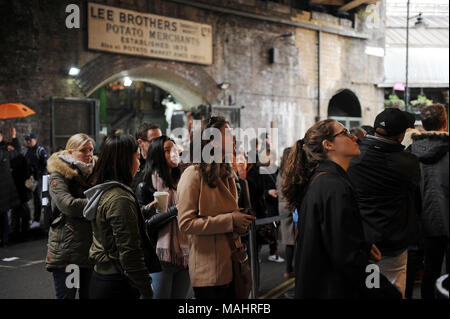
{"x": 163, "y": 199}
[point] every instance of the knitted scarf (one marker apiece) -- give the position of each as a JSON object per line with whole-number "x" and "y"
{"x": 172, "y": 246}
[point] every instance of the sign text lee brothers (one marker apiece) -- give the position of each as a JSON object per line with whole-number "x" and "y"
{"x": 130, "y": 32}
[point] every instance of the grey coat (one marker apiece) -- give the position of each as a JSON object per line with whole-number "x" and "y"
{"x": 432, "y": 150}
{"x": 287, "y": 225}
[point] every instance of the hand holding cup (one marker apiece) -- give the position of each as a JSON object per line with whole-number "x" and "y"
{"x": 162, "y": 199}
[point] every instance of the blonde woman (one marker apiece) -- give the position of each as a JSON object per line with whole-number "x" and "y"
{"x": 70, "y": 235}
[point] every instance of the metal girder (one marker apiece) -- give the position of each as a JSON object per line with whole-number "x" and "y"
{"x": 356, "y": 3}
{"x": 329, "y": 2}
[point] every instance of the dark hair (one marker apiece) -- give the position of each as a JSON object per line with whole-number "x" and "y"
{"x": 284, "y": 158}
{"x": 156, "y": 162}
{"x": 358, "y": 132}
{"x": 304, "y": 157}
{"x": 212, "y": 172}
{"x": 434, "y": 117}
{"x": 141, "y": 133}
{"x": 115, "y": 161}
{"x": 369, "y": 129}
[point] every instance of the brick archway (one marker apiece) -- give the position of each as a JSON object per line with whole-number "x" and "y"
{"x": 190, "y": 84}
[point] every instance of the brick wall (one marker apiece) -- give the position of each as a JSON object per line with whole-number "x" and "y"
{"x": 38, "y": 51}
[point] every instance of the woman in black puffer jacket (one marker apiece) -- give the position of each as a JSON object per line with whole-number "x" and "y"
{"x": 161, "y": 174}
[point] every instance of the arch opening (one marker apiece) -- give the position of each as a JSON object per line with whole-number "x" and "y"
{"x": 345, "y": 107}
{"x": 161, "y": 92}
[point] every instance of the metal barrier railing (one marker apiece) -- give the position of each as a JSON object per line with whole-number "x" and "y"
{"x": 254, "y": 264}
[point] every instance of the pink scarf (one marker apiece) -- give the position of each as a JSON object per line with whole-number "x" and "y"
{"x": 172, "y": 245}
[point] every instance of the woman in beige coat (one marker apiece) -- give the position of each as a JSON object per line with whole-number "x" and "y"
{"x": 208, "y": 212}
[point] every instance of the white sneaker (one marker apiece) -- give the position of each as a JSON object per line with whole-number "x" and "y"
{"x": 275, "y": 258}
{"x": 35, "y": 225}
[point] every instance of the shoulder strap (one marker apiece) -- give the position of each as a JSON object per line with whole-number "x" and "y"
{"x": 246, "y": 192}
{"x": 233, "y": 243}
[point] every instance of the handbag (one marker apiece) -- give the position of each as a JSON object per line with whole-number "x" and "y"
{"x": 242, "y": 276}
{"x": 266, "y": 234}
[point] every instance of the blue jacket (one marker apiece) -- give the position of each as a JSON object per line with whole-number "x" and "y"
{"x": 37, "y": 157}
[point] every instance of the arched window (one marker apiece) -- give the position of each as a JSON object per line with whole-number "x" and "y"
{"x": 344, "y": 107}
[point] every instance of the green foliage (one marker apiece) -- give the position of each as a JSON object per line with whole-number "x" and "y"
{"x": 421, "y": 101}
{"x": 394, "y": 101}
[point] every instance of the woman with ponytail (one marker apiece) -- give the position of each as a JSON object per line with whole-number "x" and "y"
{"x": 332, "y": 254}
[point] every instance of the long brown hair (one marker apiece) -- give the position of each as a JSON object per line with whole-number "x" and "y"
{"x": 284, "y": 158}
{"x": 212, "y": 172}
{"x": 304, "y": 157}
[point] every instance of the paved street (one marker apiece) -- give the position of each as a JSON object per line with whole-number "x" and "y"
{"x": 26, "y": 277}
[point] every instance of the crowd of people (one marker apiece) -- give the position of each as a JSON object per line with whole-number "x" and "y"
{"x": 20, "y": 181}
{"x": 350, "y": 199}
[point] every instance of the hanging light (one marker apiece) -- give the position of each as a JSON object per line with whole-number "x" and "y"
{"x": 224, "y": 86}
{"x": 74, "y": 71}
{"x": 127, "y": 81}
{"x": 419, "y": 22}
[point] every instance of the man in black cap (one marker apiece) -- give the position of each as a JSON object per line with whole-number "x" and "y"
{"x": 37, "y": 157}
{"x": 387, "y": 182}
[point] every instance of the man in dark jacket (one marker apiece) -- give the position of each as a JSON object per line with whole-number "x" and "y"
{"x": 432, "y": 148}
{"x": 387, "y": 181}
{"x": 269, "y": 173}
{"x": 144, "y": 136}
{"x": 8, "y": 193}
{"x": 37, "y": 157}
{"x": 20, "y": 170}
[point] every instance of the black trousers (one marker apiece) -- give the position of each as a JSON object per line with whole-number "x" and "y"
{"x": 214, "y": 292}
{"x": 415, "y": 264}
{"x": 4, "y": 227}
{"x": 111, "y": 287}
{"x": 290, "y": 251}
{"x": 20, "y": 218}
{"x": 435, "y": 248}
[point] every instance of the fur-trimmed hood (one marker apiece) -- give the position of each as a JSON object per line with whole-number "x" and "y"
{"x": 56, "y": 164}
{"x": 430, "y": 146}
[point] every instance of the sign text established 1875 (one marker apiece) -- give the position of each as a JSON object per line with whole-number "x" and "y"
{"x": 130, "y": 32}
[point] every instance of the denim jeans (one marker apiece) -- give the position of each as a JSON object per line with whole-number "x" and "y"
{"x": 171, "y": 282}
{"x": 61, "y": 290}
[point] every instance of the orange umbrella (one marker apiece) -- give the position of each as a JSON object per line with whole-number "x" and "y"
{"x": 13, "y": 110}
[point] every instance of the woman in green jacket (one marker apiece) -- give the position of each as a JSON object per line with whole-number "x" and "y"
{"x": 70, "y": 234}
{"x": 121, "y": 249}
